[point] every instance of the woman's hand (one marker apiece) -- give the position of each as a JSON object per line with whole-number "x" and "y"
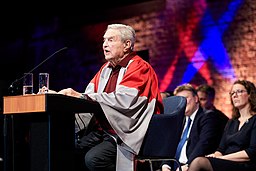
{"x": 215, "y": 155}
{"x": 211, "y": 155}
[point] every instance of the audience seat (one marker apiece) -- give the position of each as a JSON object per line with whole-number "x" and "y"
{"x": 163, "y": 134}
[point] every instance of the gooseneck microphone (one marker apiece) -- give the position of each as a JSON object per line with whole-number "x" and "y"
{"x": 11, "y": 87}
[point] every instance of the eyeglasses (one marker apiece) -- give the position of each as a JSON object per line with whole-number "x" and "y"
{"x": 238, "y": 92}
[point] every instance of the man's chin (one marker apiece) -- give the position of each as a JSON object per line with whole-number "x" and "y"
{"x": 108, "y": 58}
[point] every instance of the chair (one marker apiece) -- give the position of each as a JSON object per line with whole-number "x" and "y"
{"x": 163, "y": 134}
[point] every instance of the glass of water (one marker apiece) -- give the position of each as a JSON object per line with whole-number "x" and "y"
{"x": 43, "y": 82}
{"x": 28, "y": 83}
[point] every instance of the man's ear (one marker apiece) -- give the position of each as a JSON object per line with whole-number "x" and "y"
{"x": 127, "y": 45}
{"x": 197, "y": 99}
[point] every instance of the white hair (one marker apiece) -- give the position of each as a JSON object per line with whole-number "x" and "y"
{"x": 127, "y": 32}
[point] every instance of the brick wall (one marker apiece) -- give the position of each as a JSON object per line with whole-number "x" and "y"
{"x": 200, "y": 41}
{"x": 159, "y": 32}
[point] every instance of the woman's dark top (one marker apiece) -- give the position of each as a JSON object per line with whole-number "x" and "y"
{"x": 234, "y": 140}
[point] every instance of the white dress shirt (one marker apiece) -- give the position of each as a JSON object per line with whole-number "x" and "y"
{"x": 183, "y": 157}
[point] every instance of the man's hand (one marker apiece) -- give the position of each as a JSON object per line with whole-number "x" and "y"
{"x": 44, "y": 90}
{"x": 165, "y": 169}
{"x": 70, "y": 92}
{"x": 183, "y": 168}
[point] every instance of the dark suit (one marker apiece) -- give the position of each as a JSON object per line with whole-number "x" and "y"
{"x": 205, "y": 133}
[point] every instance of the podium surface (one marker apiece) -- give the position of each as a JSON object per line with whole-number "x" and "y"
{"x": 50, "y": 123}
{"x": 47, "y": 103}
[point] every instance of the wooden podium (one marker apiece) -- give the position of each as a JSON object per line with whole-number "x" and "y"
{"x": 50, "y": 119}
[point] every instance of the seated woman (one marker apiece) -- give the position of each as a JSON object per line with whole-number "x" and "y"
{"x": 237, "y": 148}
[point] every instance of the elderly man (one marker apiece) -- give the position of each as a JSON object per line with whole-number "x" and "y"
{"x": 126, "y": 87}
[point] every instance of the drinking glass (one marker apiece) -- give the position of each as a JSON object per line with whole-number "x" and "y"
{"x": 28, "y": 83}
{"x": 43, "y": 82}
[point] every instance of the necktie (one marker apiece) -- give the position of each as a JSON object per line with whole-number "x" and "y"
{"x": 183, "y": 139}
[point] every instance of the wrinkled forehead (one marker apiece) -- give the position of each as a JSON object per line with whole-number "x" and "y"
{"x": 112, "y": 33}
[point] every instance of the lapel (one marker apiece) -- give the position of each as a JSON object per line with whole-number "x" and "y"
{"x": 194, "y": 128}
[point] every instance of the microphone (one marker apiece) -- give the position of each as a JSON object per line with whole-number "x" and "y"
{"x": 11, "y": 87}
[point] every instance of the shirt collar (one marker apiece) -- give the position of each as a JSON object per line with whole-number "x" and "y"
{"x": 192, "y": 117}
{"x": 125, "y": 61}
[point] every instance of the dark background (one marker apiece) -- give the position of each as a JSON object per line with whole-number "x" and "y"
{"x": 171, "y": 31}
{"x": 20, "y": 35}
{"x": 24, "y": 25}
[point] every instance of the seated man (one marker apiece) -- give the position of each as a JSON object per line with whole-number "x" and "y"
{"x": 201, "y": 132}
{"x": 206, "y": 96}
{"x": 126, "y": 87}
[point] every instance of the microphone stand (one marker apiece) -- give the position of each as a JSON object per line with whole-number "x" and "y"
{"x": 13, "y": 91}
{"x": 12, "y": 87}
